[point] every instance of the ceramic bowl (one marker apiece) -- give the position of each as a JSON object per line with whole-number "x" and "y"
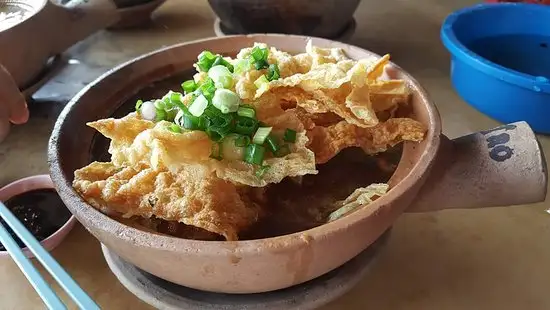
{"x": 29, "y": 184}
{"x": 321, "y": 18}
{"x": 478, "y": 170}
{"x": 501, "y": 60}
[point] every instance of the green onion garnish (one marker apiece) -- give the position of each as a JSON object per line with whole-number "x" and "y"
{"x": 175, "y": 128}
{"x": 221, "y": 76}
{"x": 207, "y": 88}
{"x": 290, "y": 135}
{"x": 245, "y": 125}
{"x": 206, "y": 59}
{"x": 261, "y": 134}
{"x": 261, "y": 81}
{"x": 273, "y": 72}
{"x": 242, "y": 65}
{"x": 246, "y": 112}
{"x": 259, "y": 57}
{"x": 216, "y": 152}
{"x": 138, "y": 104}
{"x": 220, "y": 120}
{"x": 259, "y": 54}
{"x": 282, "y": 151}
{"x": 186, "y": 120}
{"x": 254, "y": 154}
{"x": 159, "y": 104}
{"x": 148, "y": 111}
{"x": 198, "y": 106}
{"x": 226, "y": 101}
{"x": 231, "y": 151}
{"x": 272, "y": 144}
{"x": 189, "y": 86}
{"x": 214, "y": 134}
{"x": 171, "y": 114}
{"x": 242, "y": 141}
{"x": 262, "y": 170}
{"x": 222, "y": 62}
{"x": 160, "y": 115}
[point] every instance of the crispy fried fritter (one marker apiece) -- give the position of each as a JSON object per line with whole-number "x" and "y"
{"x": 192, "y": 195}
{"x": 326, "y": 142}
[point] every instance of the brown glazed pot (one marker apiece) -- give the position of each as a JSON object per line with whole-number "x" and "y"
{"x": 320, "y": 18}
{"x": 503, "y": 166}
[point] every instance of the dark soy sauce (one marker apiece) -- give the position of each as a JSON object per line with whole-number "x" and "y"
{"x": 41, "y": 211}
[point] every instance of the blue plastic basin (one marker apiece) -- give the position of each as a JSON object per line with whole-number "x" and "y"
{"x": 500, "y": 60}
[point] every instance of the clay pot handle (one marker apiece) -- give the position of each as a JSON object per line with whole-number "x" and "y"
{"x": 499, "y": 167}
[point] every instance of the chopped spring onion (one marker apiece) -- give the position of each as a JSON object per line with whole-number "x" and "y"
{"x": 214, "y": 134}
{"x": 290, "y": 135}
{"x": 189, "y": 86}
{"x": 148, "y": 111}
{"x": 173, "y": 100}
{"x": 262, "y": 170}
{"x": 171, "y": 114}
{"x": 159, "y": 104}
{"x": 160, "y": 115}
{"x": 246, "y": 112}
{"x": 261, "y": 134}
{"x": 282, "y": 151}
{"x": 207, "y": 88}
{"x": 231, "y": 151}
{"x": 221, "y": 61}
{"x": 221, "y": 76}
{"x": 198, "y": 106}
{"x": 259, "y": 54}
{"x": 261, "y": 65}
{"x": 216, "y": 152}
{"x": 273, "y": 72}
{"x": 205, "y": 61}
{"x": 262, "y": 80}
{"x": 254, "y": 154}
{"x": 219, "y": 125}
{"x": 175, "y": 128}
{"x": 189, "y": 121}
{"x": 242, "y": 141}
{"x": 138, "y": 104}
{"x": 272, "y": 144}
{"x": 245, "y": 125}
{"x": 259, "y": 57}
{"x": 226, "y": 101}
{"x": 242, "y": 65}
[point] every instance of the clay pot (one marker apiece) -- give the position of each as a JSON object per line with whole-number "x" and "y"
{"x": 503, "y": 166}
{"x": 135, "y": 13}
{"x": 28, "y": 44}
{"x": 322, "y": 18}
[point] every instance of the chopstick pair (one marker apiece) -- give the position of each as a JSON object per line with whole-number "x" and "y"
{"x": 43, "y": 289}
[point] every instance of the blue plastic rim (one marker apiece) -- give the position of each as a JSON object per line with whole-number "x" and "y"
{"x": 500, "y": 60}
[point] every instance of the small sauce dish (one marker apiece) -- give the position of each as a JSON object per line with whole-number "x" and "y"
{"x": 34, "y": 201}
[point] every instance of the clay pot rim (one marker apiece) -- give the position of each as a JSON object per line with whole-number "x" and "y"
{"x": 27, "y": 184}
{"x": 213, "y": 248}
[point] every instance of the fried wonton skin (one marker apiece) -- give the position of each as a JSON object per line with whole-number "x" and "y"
{"x": 327, "y": 142}
{"x": 192, "y": 195}
{"x": 161, "y": 149}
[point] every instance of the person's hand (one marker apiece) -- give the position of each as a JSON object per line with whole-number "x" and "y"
{"x": 12, "y": 99}
{"x": 13, "y": 107}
